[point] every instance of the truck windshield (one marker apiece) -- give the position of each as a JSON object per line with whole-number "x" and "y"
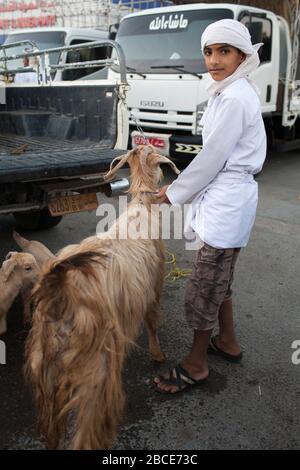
{"x": 43, "y": 39}
{"x": 172, "y": 38}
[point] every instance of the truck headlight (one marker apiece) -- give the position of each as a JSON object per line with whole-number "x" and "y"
{"x": 199, "y": 113}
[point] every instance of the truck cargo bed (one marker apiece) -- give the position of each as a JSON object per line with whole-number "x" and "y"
{"x": 44, "y": 158}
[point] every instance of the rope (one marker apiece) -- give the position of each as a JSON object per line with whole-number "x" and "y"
{"x": 131, "y": 115}
{"x": 175, "y": 273}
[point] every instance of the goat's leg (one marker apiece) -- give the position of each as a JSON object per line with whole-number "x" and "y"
{"x": 152, "y": 321}
{"x": 25, "y": 294}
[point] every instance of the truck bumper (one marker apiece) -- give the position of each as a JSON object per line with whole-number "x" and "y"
{"x": 185, "y": 147}
{"x": 177, "y": 147}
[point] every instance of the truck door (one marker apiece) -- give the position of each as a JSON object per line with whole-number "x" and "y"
{"x": 263, "y": 29}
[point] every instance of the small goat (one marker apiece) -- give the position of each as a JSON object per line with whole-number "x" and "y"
{"x": 89, "y": 306}
{"x": 18, "y": 274}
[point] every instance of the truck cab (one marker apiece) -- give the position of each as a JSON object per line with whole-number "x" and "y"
{"x": 168, "y": 76}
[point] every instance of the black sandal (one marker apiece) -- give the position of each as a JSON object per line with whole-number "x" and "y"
{"x": 180, "y": 378}
{"x": 214, "y": 349}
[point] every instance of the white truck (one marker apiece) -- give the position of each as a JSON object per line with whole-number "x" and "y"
{"x": 55, "y": 38}
{"x": 57, "y": 138}
{"x": 168, "y": 77}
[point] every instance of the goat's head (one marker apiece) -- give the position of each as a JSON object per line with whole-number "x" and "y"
{"x": 21, "y": 268}
{"x": 145, "y": 169}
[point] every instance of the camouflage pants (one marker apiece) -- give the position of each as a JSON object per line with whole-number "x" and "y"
{"x": 209, "y": 285}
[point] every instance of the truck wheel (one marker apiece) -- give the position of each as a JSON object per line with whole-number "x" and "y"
{"x": 39, "y": 220}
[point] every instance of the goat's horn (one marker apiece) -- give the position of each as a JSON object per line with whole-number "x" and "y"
{"x": 113, "y": 169}
{"x": 162, "y": 159}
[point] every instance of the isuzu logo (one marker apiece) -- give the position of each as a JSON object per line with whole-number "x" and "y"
{"x": 152, "y": 104}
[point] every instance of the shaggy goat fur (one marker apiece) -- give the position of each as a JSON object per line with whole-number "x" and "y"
{"x": 18, "y": 274}
{"x": 89, "y": 307}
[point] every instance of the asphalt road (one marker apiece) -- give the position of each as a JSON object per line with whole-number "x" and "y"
{"x": 252, "y": 405}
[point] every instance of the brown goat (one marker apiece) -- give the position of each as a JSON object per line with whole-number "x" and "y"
{"x": 90, "y": 304}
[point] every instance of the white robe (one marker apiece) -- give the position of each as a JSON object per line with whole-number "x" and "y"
{"x": 219, "y": 181}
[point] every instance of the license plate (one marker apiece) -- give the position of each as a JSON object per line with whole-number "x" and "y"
{"x": 77, "y": 203}
{"x": 155, "y": 141}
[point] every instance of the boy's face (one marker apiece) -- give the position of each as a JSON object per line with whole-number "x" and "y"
{"x": 222, "y": 60}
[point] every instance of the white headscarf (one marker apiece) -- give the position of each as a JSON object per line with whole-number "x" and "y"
{"x": 234, "y": 34}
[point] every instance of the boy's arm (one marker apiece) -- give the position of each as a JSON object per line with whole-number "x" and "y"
{"x": 217, "y": 149}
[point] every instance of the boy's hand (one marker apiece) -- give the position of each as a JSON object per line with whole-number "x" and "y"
{"x": 162, "y": 195}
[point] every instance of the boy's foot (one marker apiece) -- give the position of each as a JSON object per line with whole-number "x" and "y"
{"x": 230, "y": 352}
{"x": 177, "y": 380}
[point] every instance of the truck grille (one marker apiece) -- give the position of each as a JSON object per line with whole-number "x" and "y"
{"x": 157, "y": 119}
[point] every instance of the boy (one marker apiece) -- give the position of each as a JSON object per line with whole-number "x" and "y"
{"x": 220, "y": 185}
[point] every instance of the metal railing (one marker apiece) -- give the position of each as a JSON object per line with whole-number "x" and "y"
{"x": 5, "y": 58}
{"x": 44, "y": 67}
{"x": 19, "y": 43}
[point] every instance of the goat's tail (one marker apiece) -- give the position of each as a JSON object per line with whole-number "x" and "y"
{"x": 75, "y": 351}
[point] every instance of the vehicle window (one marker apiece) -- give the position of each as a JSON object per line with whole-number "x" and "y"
{"x": 83, "y": 55}
{"x": 43, "y": 39}
{"x": 172, "y": 39}
{"x": 261, "y": 31}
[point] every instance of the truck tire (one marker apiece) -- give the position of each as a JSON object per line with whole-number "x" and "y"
{"x": 38, "y": 220}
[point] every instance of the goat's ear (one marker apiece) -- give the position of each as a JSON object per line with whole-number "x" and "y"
{"x": 8, "y": 268}
{"x": 163, "y": 159}
{"x": 113, "y": 169}
{"x": 35, "y": 248}
{"x": 20, "y": 241}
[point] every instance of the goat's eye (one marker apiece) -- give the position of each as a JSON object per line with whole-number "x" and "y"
{"x": 28, "y": 268}
{"x": 8, "y": 256}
